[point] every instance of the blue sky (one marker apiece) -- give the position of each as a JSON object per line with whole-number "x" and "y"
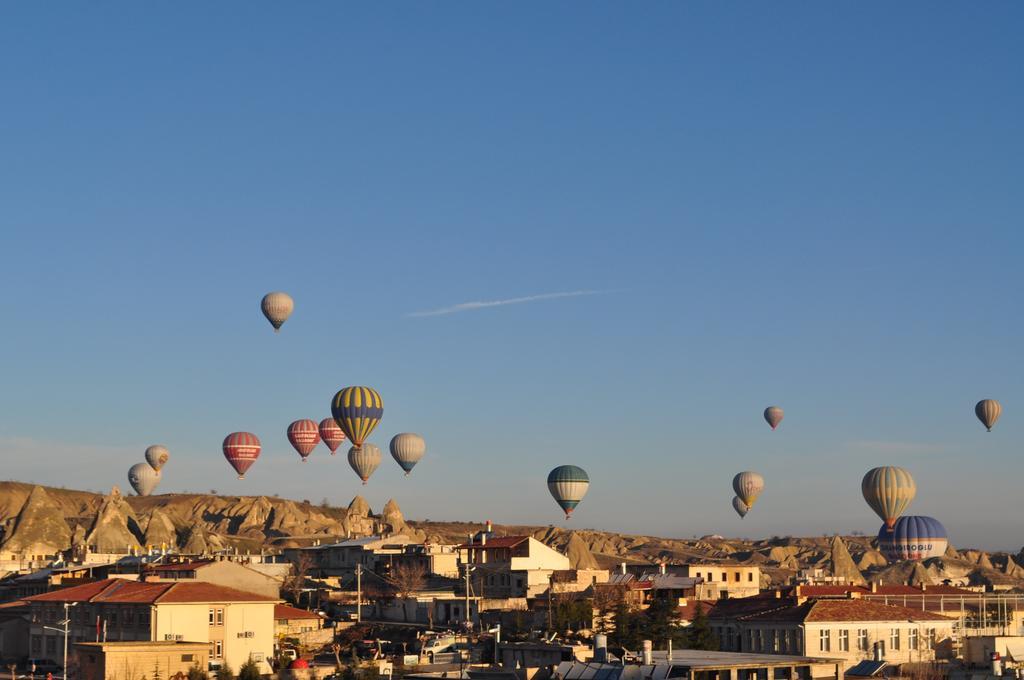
{"x": 814, "y": 205}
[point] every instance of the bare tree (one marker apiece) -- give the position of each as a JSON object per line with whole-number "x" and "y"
{"x": 407, "y": 579}
{"x": 295, "y": 583}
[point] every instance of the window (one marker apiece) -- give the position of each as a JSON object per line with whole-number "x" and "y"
{"x": 862, "y": 639}
{"x": 129, "y": 617}
{"x": 37, "y": 645}
{"x": 211, "y": 617}
{"x": 784, "y": 641}
{"x": 894, "y": 639}
{"x": 678, "y": 672}
{"x": 51, "y": 645}
{"x": 736, "y": 576}
{"x": 844, "y": 640}
{"x": 773, "y": 640}
{"x": 824, "y": 641}
{"x": 113, "y": 617}
{"x": 929, "y": 638}
{"x": 750, "y": 576}
{"x": 912, "y": 639}
{"x": 220, "y": 617}
{"x": 188, "y": 657}
{"x": 218, "y": 649}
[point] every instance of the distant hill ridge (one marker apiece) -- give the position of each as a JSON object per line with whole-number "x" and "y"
{"x": 42, "y": 520}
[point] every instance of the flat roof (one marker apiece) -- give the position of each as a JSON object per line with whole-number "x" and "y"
{"x": 122, "y": 644}
{"x": 693, "y": 659}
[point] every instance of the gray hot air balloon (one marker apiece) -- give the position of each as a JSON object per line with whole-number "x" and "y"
{"x": 407, "y": 449}
{"x": 157, "y": 456}
{"x": 988, "y": 411}
{"x": 143, "y": 478}
{"x": 774, "y": 415}
{"x": 364, "y": 460}
{"x": 277, "y": 307}
{"x": 748, "y": 486}
{"x": 740, "y": 507}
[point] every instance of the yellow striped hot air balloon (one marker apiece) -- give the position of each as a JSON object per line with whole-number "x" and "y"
{"x": 988, "y": 412}
{"x": 889, "y": 491}
{"x": 357, "y": 410}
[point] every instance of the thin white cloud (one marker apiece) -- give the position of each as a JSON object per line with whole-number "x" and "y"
{"x": 470, "y": 306}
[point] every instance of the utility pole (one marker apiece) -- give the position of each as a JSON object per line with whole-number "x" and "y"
{"x": 469, "y": 559}
{"x": 66, "y": 623}
{"x": 359, "y": 593}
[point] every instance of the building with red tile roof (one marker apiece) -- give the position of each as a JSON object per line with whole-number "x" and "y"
{"x": 236, "y": 624}
{"x": 851, "y": 628}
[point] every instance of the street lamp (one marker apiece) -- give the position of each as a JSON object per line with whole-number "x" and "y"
{"x": 67, "y": 625}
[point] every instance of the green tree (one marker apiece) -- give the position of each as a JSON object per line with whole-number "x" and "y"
{"x": 197, "y": 673}
{"x": 224, "y": 673}
{"x": 249, "y": 671}
{"x": 626, "y": 630}
{"x": 661, "y": 623}
{"x": 699, "y": 635}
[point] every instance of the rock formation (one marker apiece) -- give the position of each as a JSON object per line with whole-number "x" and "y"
{"x": 841, "y": 563}
{"x": 39, "y": 528}
{"x": 579, "y": 554}
{"x": 115, "y": 529}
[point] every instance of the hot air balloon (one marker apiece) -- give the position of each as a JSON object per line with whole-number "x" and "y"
{"x": 889, "y": 491}
{"x": 913, "y": 538}
{"x": 304, "y": 435}
{"x": 988, "y": 411}
{"x": 277, "y": 307}
{"x": 740, "y": 507}
{"x": 364, "y": 460}
{"x": 407, "y": 449}
{"x": 748, "y": 486}
{"x": 568, "y": 485}
{"x": 241, "y": 449}
{"x": 357, "y": 410}
{"x": 143, "y": 478}
{"x": 157, "y": 456}
{"x": 331, "y": 434}
{"x": 774, "y": 415}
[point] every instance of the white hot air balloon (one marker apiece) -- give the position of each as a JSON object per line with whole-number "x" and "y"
{"x": 407, "y": 449}
{"x": 748, "y": 486}
{"x": 143, "y": 478}
{"x": 364, "y": 460}
{"x": 740, "y": 507}
{"x": 277, "y": 307}
{"x": 157, "y": 456}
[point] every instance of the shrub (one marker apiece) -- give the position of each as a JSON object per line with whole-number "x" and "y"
{"x": 249, "y": 671}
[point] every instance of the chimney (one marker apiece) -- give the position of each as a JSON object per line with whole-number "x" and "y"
{"x": 483, "y": 538}
{"x": 648, "y": 653}
{"x": 488, "y": 525}
{"x": 600, "y": 648}
{"x": 874, "y": 586}
{"x": 879, "y": 651}
{"x": 622, "y": 567}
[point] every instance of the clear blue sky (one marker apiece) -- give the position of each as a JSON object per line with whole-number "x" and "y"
{"x": 817, "y": 205}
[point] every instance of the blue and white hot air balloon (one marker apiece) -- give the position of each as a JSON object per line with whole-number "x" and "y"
{"x": 913, "y": 538}
{"x": 568, "y": 485}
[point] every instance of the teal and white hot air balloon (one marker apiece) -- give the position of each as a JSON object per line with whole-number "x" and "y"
{"x": 889, "y": 491}
{"x": 568, "y": 485}
{"x": 364, "y": 460}
{"x": 407, "y": 449}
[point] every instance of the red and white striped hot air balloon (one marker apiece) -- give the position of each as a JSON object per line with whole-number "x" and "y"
{"x": 241, "y": 449}
{"x": 304, "y": 436}
{"x": 331, "y": 434}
